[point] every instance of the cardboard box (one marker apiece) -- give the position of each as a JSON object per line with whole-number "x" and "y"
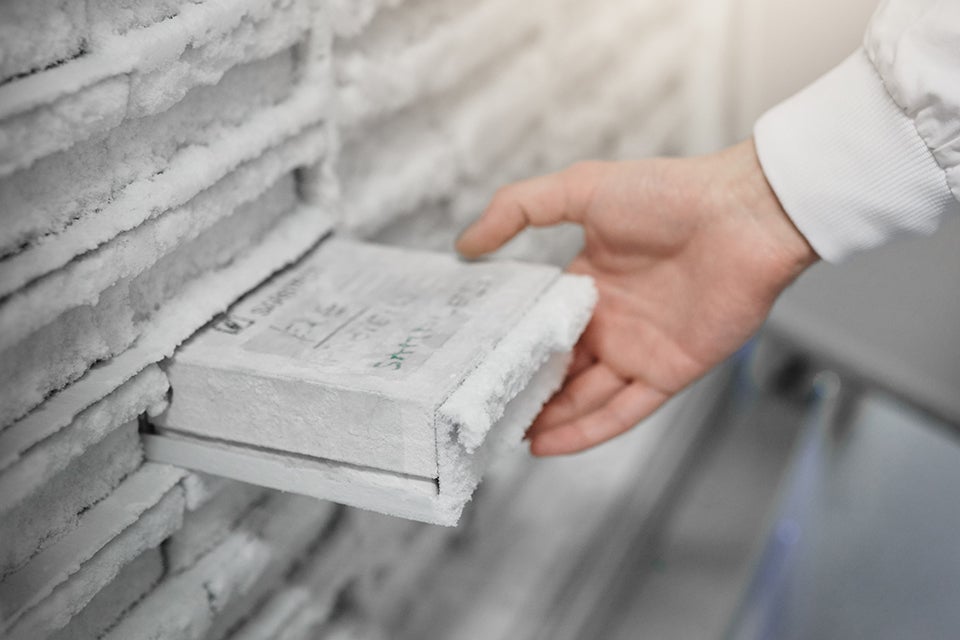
{"x": 373, "y": 376}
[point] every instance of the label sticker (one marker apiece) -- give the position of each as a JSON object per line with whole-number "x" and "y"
{"x": 379, "y": 322}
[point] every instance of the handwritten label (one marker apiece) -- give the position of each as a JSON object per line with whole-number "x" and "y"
{"x": 375, "y": 322}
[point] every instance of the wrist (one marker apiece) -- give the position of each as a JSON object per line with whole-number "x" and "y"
{"x": 783, "y": 243}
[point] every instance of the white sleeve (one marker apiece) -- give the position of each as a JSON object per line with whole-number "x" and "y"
{"x": 871, "y": 151}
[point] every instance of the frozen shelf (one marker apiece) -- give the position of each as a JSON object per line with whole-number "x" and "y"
{"x": 379, "y": 377}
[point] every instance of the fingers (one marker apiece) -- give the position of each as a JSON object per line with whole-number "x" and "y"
{"x": 624, "y": 410}
{"x": 579, "y": 396}
{"x": 542, "y": 201}
{"x": 582, "y": 358}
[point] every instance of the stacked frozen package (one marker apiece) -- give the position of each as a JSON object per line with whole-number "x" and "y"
{"x": 149, "y": 155}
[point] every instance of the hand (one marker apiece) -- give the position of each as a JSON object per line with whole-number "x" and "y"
{"x": 688, "y": 256}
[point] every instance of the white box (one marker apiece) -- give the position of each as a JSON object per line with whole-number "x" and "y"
{"x": 372, "y": 375}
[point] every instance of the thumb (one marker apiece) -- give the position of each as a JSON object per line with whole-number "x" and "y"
{"x": 539, "y": 202}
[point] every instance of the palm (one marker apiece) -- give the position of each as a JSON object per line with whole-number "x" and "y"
{"x": 680, "y": 286}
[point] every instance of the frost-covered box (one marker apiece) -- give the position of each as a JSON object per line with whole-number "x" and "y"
{"x": 380, "y": 377}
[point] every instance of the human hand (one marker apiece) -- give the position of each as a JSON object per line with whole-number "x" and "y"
{"x": 688, "y": 256}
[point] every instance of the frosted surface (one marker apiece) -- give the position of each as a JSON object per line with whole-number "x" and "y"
{"x": 348, "y": 355}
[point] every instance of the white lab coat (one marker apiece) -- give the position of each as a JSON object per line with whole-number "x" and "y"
{"x": 871, "y": 150}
